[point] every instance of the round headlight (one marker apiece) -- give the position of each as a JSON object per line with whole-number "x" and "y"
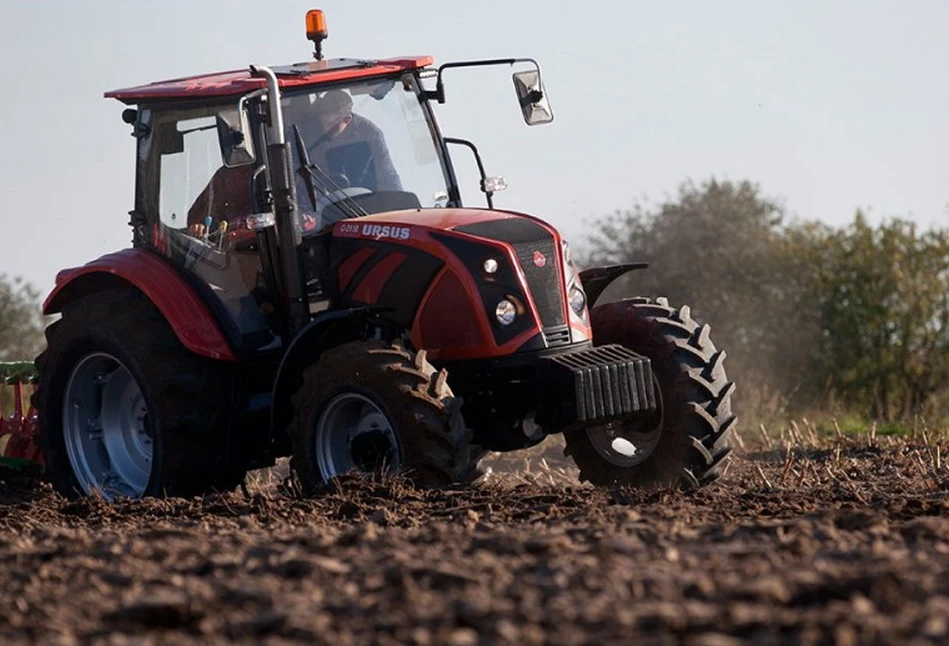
{"x": 490, "y": 266}
{"x": 578, "y": 299}
{"x": 505, "y": 312}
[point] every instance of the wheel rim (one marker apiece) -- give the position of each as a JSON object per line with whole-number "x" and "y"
{"x": 352, "y": 432}
{"x": 629, "y": 445}
{"x": 104, "y": 413}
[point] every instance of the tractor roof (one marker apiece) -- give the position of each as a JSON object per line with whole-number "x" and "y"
{"x": 236, "y": 82}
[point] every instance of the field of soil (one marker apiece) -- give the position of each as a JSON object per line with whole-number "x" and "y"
{"x": 804, "y": 541}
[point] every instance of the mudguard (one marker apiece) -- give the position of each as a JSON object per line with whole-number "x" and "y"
{"x": 326, "y": 330}
{"x": 596, "y": 279}
{"x": 186, "y": 313}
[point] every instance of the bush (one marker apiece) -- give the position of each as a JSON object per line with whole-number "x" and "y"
{"x": 811, "y": 316}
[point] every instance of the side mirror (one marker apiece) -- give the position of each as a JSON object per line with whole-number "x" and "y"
{"x": 233, "y": 133}
{"x": 531, "y": 96}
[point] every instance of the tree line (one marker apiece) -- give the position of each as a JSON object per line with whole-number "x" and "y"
{"x": 812, "y": 316}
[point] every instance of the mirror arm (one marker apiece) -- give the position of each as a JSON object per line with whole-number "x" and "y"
{"x": 477, "y": 156}
{"x": 438, "y": 94}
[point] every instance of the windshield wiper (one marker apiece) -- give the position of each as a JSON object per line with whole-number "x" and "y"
{"x": 317, "y": 179}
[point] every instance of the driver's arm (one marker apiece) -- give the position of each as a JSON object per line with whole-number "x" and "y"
{"x": 387, "y": 179}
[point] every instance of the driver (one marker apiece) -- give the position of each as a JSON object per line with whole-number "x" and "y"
{"x": 351, "y": 145}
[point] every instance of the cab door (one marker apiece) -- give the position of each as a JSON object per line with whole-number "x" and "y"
{"x": 197, "y": 206}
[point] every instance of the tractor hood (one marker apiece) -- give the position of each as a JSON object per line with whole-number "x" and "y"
{"x": 524, "y": 246}
{"x": 445, "y": 271}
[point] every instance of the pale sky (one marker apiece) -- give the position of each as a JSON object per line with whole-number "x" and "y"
{"x": 829, "y": 105}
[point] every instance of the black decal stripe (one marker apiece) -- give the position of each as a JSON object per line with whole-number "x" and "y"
{"x": 366, "y": 267}
{"x": 404, "y": 290}
{"x": 349, "y": 283}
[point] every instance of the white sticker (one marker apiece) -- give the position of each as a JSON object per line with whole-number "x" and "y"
{"x": 386, "y": 231}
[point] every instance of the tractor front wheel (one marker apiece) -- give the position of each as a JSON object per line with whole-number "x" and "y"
{"x": 374, "y": 406}
{"x": 685, "y": 442}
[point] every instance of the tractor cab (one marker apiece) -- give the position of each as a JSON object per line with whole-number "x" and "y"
{"x": 236, "y": 168}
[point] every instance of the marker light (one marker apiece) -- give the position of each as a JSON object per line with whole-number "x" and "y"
{"x": 260, "y": 221}
{"x": 316, "y": 25}
{"x": 490, "y": 266}
{"x": 493, "y": 184}
{"x": 316, "y": 31}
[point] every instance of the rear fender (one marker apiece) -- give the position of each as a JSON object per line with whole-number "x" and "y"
{"x": 327, "y": 330}
{"x": 186, "y": 313}
{"x": 596, "y": 279}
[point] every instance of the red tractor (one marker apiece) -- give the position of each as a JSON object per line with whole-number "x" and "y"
{"x": 303, "y": 280}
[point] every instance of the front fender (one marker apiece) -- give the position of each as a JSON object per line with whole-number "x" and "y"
{"x": 327, "y": 330}
{"x": 145, "y": 270}
{"x": 596, "y": 279}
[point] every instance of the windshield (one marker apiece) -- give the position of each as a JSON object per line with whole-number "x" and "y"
{"x": 370, "y": 149}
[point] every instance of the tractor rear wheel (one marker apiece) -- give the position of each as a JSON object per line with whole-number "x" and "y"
{"x": 375, "y": 406}
{"x": 124, "y": 409}
{"x": 686, "y": 442}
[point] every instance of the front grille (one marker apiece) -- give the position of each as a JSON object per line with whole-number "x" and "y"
{"x": 594, "y": 385}
{"x": 557, "y": 336}
{"x": 543, "y": 280}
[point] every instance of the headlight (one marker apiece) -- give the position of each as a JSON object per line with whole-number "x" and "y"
{"x": 490, "y": 266}
{"x": 505, "y": 312}
{"x": 578, "y": 299}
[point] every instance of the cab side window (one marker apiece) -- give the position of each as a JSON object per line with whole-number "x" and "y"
{"x": 193, "y": 158}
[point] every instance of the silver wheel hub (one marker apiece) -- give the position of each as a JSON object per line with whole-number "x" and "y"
{"x": 108, "y": 446}
{"x": 352, "y": 432}
{"x": 629, "y": 444}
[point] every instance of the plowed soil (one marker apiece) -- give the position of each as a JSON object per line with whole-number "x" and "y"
{"x": 845, "y": 542}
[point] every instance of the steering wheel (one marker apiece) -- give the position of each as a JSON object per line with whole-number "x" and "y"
{"x": 335, "y": 215}
{"x": 338, "y": 180}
